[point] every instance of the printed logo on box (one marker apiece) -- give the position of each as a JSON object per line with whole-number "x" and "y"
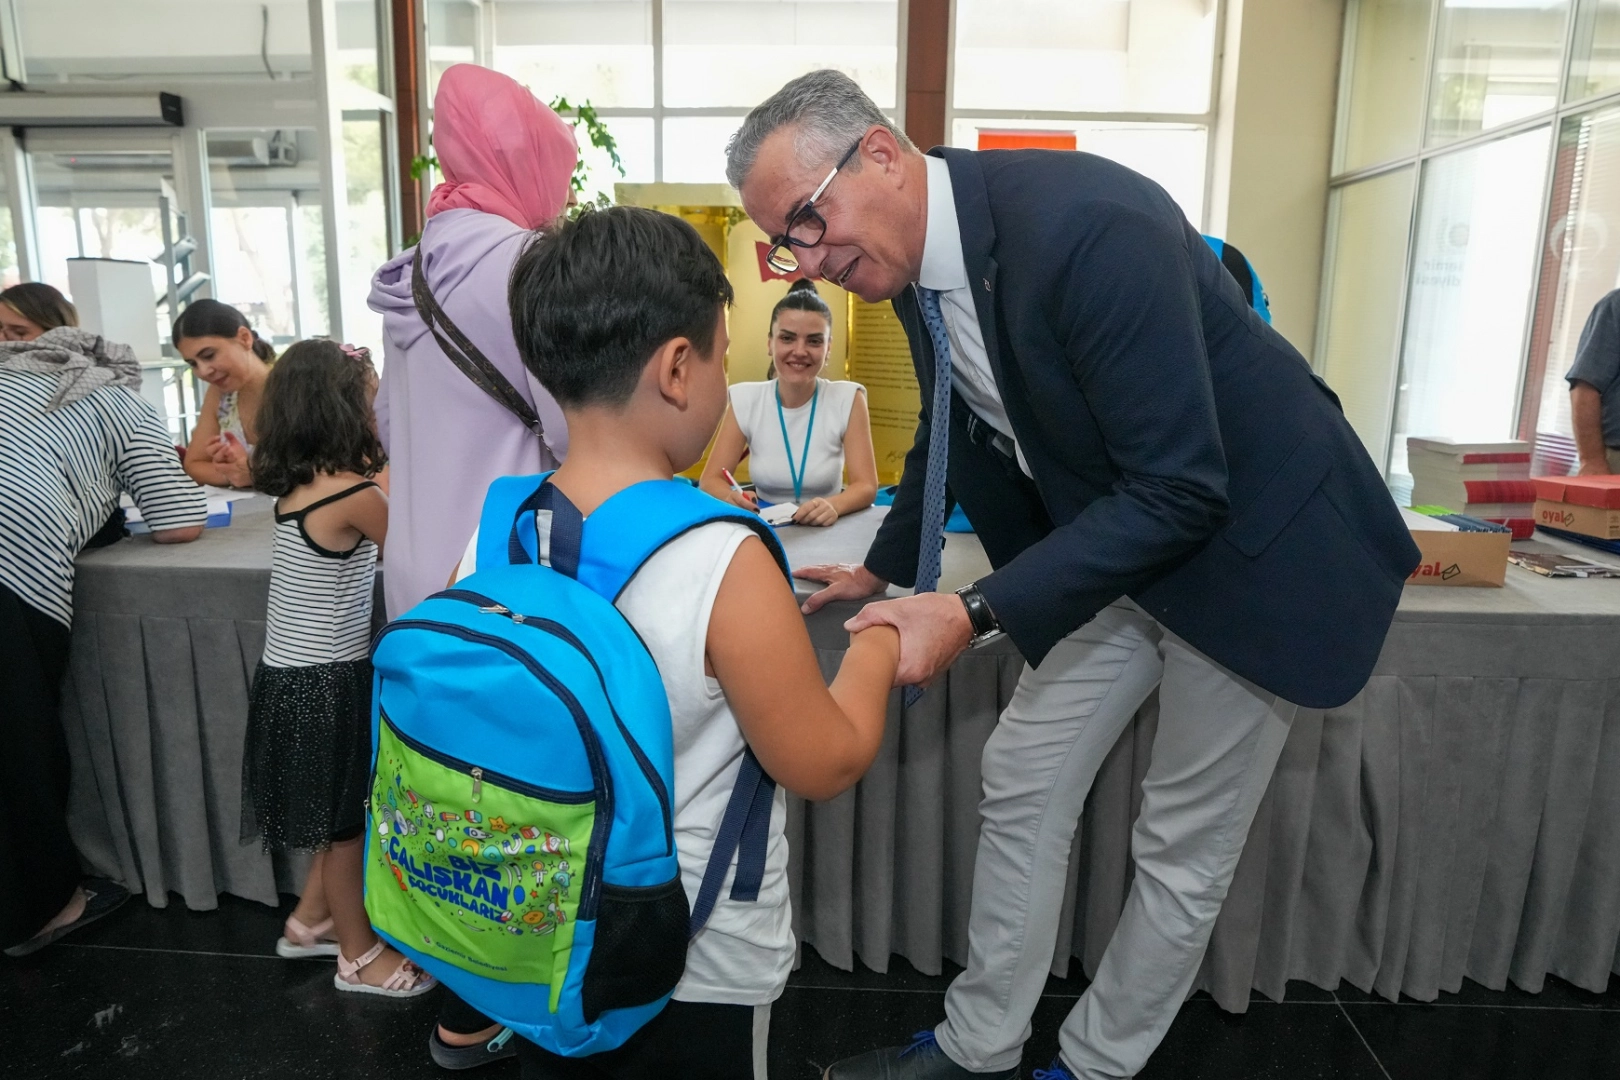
{"x": 1550, "y": 516}
{"x": 1434, "y": 569}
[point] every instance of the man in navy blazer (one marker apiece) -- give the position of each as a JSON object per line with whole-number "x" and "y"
{"x": 1169, "y": 496}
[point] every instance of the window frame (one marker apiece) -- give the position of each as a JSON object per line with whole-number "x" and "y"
{"x": 1528, "y": 400}
{"x": 487, "y": 41}
{"x": 1207, "y": 120}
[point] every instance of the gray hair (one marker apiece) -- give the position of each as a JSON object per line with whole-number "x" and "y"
{"x": 829, "y": 109}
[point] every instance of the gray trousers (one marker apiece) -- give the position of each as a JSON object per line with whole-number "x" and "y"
{"x": 1218, "y": 741}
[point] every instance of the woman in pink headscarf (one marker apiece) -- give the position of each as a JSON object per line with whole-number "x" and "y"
{"x": 507, "y": 160}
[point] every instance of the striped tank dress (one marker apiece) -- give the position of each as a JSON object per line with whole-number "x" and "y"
{"x": 307, "y": 758}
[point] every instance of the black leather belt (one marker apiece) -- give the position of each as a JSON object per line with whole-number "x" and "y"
{"x": 981, "y": 432}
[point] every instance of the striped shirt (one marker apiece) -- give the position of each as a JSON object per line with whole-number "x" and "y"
{"x": 320, "y": 600}
{"x": 60, "y": 475}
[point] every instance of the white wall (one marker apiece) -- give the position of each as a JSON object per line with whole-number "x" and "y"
{"x": 1273, "y": 148}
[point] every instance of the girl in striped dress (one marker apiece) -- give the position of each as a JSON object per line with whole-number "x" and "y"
{"x": 308, "y": 756}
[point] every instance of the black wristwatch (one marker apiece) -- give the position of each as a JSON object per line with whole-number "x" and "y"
{"x": 985, "y": 623}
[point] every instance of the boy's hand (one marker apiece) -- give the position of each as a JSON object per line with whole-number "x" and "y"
{"x": 844, "y": 581}
{"x": 934, "y": 630}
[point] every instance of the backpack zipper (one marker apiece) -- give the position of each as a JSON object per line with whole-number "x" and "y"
{"x": 480, "y": 775}
{"x": 601, "y": 826}
{"x": 561, "y": 632}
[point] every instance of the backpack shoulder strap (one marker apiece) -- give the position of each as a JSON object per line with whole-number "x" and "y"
{"x": 508, "y": 498}
{"x": 464, "y": 354}
{"x": 628, "y": 529}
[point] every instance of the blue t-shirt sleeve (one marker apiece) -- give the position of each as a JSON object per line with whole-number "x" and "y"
{"x": 1597, "y": 357}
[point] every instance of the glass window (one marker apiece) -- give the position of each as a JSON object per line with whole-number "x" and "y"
{"x": 1496, "y": 61}
{"x": 634, "y": 138}
{"x": 1084, "y": 55}
{"x": 600, "y": 52}
{"x": 1388, "y": 55}
{"x": 695, "y": 148}
{"x": 1595, "y": 52}
{"x": 9, "y": 272}
{"x": 98, "y": 40}
{"x": 1580, "y": 264}
{"x": 260, "y": 266}
{"x": 1369, "y": 222}
{"x": 357, "y": 44}
{"x": 367, "y": 236}
{"x": 1171, "y": 154}
{"x": 1468, "y": 292}
{"x": 739, "y": 52}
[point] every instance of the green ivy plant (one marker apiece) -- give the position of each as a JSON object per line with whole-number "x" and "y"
{"x": 584, "y": 115}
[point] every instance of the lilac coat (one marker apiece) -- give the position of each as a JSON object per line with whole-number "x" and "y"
{"x": 446, "y": 438}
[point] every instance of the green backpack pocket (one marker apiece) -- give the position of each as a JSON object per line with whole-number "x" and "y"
{"x": 483, "y": 871}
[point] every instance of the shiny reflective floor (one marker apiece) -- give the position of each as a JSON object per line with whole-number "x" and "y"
{"x": 175, "y": 994}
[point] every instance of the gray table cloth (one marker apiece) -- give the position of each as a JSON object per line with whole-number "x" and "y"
{"x": 1458, "y": 818}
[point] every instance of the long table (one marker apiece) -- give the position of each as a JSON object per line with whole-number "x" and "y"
{"x": 1456, "y": 819}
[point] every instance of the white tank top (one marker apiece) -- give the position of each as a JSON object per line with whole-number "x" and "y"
{"x": 754, "y": 405}
{"x": 745, "y": 952}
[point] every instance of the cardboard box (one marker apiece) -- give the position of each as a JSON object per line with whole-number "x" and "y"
{"x": 1454, "y": 557}
{"x": 1586, "y": 520}
{"x": 1589, "y": 505}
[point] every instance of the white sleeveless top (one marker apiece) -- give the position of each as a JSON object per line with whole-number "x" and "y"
{"x": 320, "y": 600}
{"x": 744, "y": 953}
{"x": 754, "y": 405}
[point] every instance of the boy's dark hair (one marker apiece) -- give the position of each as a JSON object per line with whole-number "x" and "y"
{"x": 41, "y": 305}
{"x": 593, "y": 298}
{"x": 214, "y": 318}
{"x": 316, "y": 417}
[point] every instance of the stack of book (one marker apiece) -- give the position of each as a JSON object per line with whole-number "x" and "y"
{"x": 1487, "y": 480}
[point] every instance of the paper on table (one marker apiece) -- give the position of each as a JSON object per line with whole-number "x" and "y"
{"x": 1423, "y": 522}
{"x": 779, "y": 513}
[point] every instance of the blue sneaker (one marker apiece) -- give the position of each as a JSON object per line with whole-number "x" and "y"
{"x": 922, "y": 1060}
{"x": 1056, "y": 1071}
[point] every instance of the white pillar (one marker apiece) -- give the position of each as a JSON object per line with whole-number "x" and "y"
{"x": 329, "y": 133}
{"x": 20, "y": 193}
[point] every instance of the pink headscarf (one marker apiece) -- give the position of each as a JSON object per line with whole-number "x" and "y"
{"x": 500, "y": 148}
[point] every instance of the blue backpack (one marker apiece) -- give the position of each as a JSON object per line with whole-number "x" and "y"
{"x": 521, "y": 841}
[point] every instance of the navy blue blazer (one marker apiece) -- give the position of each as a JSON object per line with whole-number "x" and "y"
{"x": 1183, "y": 453}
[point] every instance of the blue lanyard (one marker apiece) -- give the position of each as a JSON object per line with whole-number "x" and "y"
{"x": 804, "y": 458}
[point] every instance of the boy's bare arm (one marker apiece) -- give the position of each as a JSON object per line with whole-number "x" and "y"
{"x": 816, "y": 742}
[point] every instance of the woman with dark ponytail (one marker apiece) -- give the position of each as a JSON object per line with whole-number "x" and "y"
{"x": 228, "y": 355}
{"x": 801, "y": 432}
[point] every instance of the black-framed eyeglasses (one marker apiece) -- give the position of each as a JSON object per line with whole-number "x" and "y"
{"x": 806, "y": 227}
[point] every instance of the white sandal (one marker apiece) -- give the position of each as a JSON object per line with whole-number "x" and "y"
{"x": 300, "y": 942}
{"x": 407, "y": 981}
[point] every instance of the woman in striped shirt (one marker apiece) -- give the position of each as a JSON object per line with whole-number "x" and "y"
{"x": 73, "y": 434}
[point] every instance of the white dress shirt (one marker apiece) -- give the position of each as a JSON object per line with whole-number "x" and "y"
{"x": 944, "y": 268}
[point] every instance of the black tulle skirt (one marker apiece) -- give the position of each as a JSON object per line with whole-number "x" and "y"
{"x": 307, "y": 763}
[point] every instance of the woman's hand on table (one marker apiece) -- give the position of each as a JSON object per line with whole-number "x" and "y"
{"x": 745, "y": 499}
{"x": 844, "y": 581}
{"x": 231, "y": 457}
{"x": 817, "y": 512}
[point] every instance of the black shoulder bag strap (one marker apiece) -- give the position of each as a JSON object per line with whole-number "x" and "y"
{"x": 465, "y": 355}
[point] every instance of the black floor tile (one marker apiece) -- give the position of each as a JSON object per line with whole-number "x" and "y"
{"x": 1269, "y": 1042}
{"x": 167, "y": 1016}
{"x": 238, "y": 926}
{"x": 812, "y": 1028}
{"x": 1555, "y": 994}
{"x": 1427, "y": 1042}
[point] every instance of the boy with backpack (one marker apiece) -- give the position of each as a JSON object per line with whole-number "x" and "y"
{"x": 621, "y": 316}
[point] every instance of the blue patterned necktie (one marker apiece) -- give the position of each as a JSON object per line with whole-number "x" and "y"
{"x": 939, "y": 428}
